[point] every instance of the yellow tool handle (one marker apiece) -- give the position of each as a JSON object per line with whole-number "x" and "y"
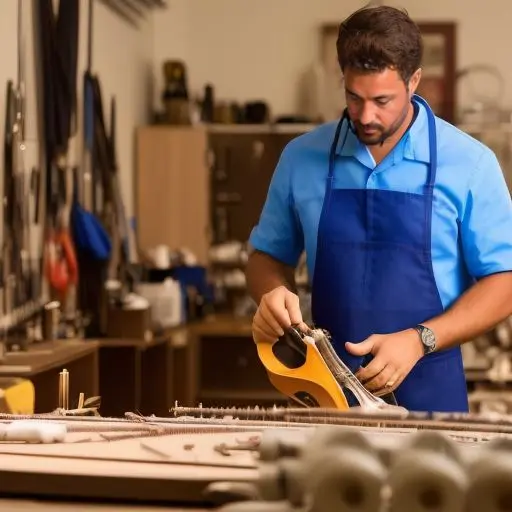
{"x": 311, "y": 383}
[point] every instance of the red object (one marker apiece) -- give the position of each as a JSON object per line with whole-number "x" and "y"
{"x": 61, "y": 264}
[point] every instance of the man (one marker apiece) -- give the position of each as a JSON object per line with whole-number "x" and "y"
{"x": 405, "y": 220}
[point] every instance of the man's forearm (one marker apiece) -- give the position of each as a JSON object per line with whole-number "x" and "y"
{"x": 263, "y": 273}
{"x": 482, "y": 307}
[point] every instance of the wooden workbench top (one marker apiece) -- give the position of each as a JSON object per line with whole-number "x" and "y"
{"x": 128, "y": 461}
{"x": 40, "y": 357}
{"x": 54, "y": 506}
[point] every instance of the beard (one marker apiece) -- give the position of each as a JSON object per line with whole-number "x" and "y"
{"x": 373, "y": 134}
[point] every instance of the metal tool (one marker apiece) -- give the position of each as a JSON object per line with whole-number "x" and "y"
{"x": 64, "y": 390}
{"x": 57, "y": 41}
{"x": 305, "y": 367}
{"x": 296, "y": 369}
{"x": 346, "y": 378}
{"x": 16, "y": 279}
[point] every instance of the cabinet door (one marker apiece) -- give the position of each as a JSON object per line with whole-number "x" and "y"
{"x": 242, "y": 167}
{"x": 172, "y": 189}
{"x": 243, "y": 164}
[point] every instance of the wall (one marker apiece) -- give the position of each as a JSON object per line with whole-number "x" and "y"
{"x": 252, "y": 49}
{"x": 122, "y": 57}
{"x": 248, "y": 49}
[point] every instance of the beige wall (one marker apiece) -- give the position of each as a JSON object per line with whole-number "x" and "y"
{"x": 253, "y": 49}
{"x": 249, "y": 49}
{"x": 122, "y": 57}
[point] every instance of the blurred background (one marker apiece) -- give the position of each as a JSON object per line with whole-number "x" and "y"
{"x": 150, "y": 132}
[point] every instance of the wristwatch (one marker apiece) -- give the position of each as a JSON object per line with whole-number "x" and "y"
{"x": 427, "y": 337}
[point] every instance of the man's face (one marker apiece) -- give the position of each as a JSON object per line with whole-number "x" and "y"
{"x": 377, "y": 102}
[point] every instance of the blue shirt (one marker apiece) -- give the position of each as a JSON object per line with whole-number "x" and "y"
{"x": 472, "y": 208}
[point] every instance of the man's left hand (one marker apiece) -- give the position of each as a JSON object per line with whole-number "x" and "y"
{"x": 394, "y": 356}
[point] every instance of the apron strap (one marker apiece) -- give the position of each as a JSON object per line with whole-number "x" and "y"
{"x": 432, "y": 142}
{"x": 431, "y": 178}
{"x": 334, "y": 145}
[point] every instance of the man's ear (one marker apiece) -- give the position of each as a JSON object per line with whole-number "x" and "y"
{"x": 414, "y": 81}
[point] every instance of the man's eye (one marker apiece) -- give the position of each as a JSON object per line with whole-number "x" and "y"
{"x": 382, "y": 102}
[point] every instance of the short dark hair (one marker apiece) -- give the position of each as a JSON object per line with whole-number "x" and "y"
{"x": 375, "y": 38}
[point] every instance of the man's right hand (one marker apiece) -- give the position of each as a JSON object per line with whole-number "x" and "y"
{"x": 278, "y": 310}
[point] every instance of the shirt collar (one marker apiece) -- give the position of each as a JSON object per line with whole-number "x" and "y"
{"x": 350, "y": 145}
{"x": 413, "y": 146}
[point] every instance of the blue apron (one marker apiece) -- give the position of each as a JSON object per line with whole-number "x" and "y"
{"x": 373, "y": 275}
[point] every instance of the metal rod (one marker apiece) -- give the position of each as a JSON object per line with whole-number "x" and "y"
{"x": 20, "y": 40}
{"x": 90, "y": 15}
{"x": 344, "y": 375}
{"x": 154, "y": 450}
{"x": 64, "y": 389}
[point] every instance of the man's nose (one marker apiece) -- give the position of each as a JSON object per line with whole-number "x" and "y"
{"x": 366, "y": 113}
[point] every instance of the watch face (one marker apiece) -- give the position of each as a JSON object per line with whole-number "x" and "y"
{"x": 428, "y": 338}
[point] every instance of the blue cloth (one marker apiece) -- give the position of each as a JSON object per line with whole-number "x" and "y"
{"x": 471, "y": 234}
{"x": 373, "y": 275}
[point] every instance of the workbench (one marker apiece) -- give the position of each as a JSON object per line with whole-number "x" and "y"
{"x": 42, "y": 362}
{"x": 47, "y": 506}
{"x": 202, "y": 458}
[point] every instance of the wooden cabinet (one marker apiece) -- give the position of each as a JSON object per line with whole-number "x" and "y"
{"x": 242, "y": 168}
{"x": 243, "y": 161}
{"x": 172, "y": 189}
{"x": 136, "y": 375}
{"x": 201, "y": 185}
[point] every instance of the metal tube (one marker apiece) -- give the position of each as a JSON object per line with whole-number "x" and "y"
{"x": 64, "y": 390}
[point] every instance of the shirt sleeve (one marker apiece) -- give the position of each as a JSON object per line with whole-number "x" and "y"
{"x": 279, "y": 232}
{"x": 487, "y": 221}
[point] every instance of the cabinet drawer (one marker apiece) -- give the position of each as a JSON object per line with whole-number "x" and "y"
{"x": 231, "y": 363}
